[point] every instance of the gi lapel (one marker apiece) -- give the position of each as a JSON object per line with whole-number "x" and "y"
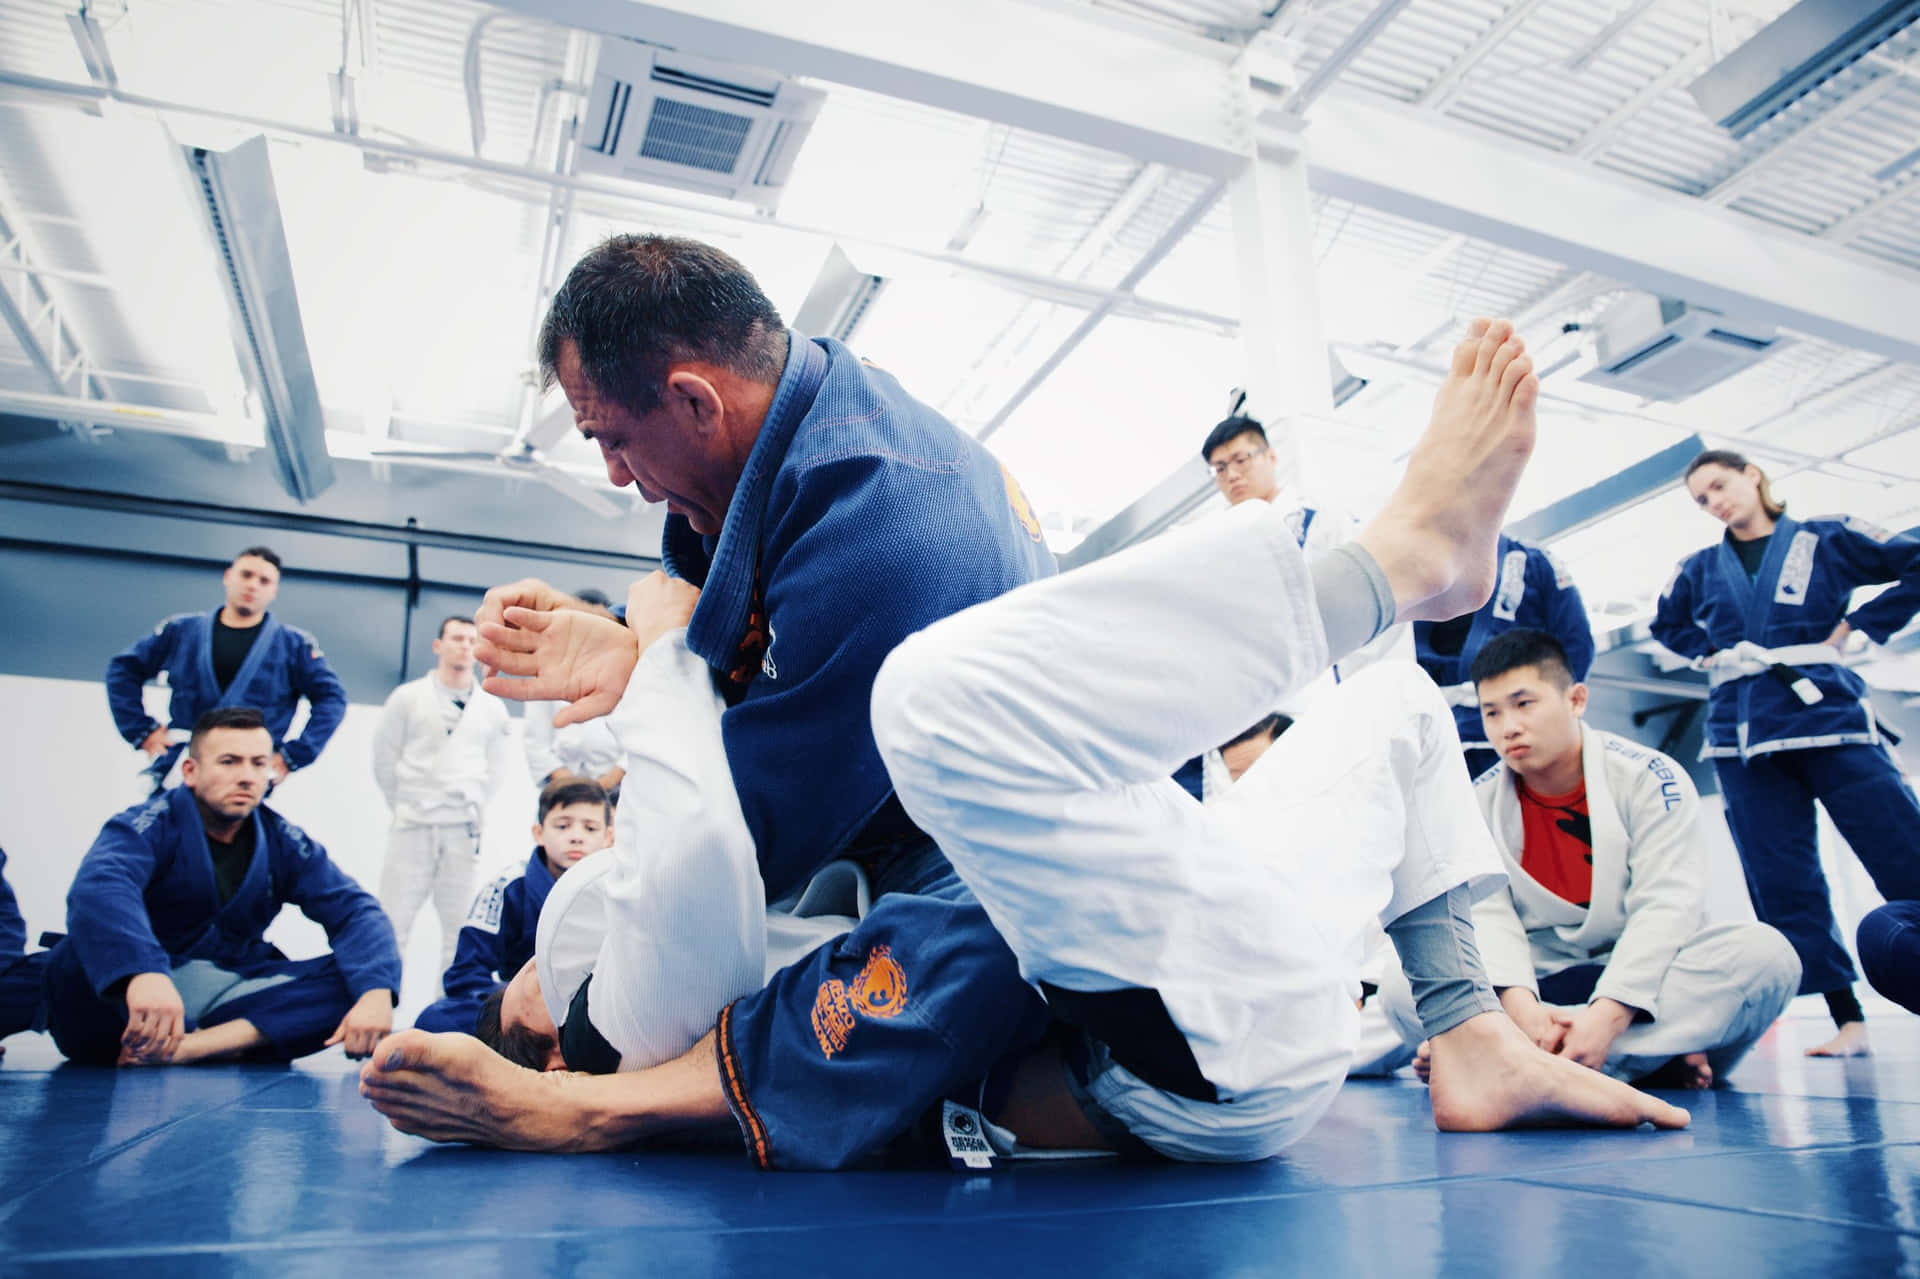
{"x": 235, "y": 694}
{"x": 1607, "y": 912}
{"x": 1759, "y": 604}
{"x": 203, "y": 652}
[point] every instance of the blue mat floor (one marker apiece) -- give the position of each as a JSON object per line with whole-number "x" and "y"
{"x": 1801, "y": 1168}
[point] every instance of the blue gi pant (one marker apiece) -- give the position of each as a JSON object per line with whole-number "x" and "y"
{"x": 295, "y": 1003}
{"x": 843, "y": 1051}
{"x": 1889, "y": 944}
{"x": 1770, "y": 810}
{"x": 21, "y": 978}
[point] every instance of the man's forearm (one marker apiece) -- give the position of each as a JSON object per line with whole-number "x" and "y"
{"x": 685, "y": 1094}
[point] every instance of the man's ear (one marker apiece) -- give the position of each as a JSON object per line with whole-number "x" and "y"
{"x": 1577, "y": 698}
{"x": 695, "y": 402}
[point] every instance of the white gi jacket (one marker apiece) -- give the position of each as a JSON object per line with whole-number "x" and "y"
{"x": 431, "y": 776}
{"x": 1649, "y": 878}
{"x": 585, "y": 750}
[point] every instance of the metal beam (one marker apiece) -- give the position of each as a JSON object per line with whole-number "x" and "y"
{"x": 1601, "y": 135}
{"x": 1067, "y": 73}
{"x": 1739, "y": 182}
{"x": 1162, "y": 507}
{"x": 1424, "y": 169}
{"x": 1591, "y": 51}
{"x": 1645, "y": 479}
{"x": 1341, "y": 58}
{"x": 26, "y": 306}
{"x": 1446, "y": 85}
{"x": 1861, "y": 219}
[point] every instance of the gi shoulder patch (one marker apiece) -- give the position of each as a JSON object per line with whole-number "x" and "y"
{"x": 1866, "y": 528}
{"x": 1513, "y": 585}
{"x": 1017, "y": 500}
{"x": 1796, "y": 572}
{"x": 488, "y": 905}
{"x": 1561, "y": 578}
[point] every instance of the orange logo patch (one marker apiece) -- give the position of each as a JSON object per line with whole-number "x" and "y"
{"x": 881, "y": 988}
{"x": 1022, "y": 509}
{"x": 879, "y": 991}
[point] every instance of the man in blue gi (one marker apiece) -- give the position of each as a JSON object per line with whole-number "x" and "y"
{"x": 497, "y": 940}
{"x": 1533, "y": 590}
{"x": 165, "y": 959}
{"x": 235, "y": 655}
{"x": 825, "y": 515}
{"x": 19, "y": 971}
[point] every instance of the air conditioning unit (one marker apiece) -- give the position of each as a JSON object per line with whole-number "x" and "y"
{"x": 677, "y": 120}
{"x": 1663, "y": 349}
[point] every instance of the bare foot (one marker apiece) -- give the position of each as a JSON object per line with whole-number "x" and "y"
{"x": 1691, "y": 1072}
{"x": 1423, "y": 1061}
{"x": 454, "y": 1088}
{"x": 1850, "y": 1042}
{"x": 1437, "y": 535}
{"x": 1487, "y": 1075}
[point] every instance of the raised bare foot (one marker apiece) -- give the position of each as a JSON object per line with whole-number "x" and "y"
{"x": 454, "y": 1088}
{"x": 1437, "y": 536}
{"x": 1488, "y": 1075}
{"x": 1850, "y": 1042}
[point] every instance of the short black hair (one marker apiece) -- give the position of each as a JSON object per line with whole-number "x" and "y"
{"x": 1270, "y": 725}
{"x": 521, "y": 1045}
{"x": 223, "y": 717}
{"x": 1229, "y": 429}
{"x": 261, "y": 553}
{"x": 1520, "y": 647}
{"x": 560, "y": 794}
{"x": 448, "y": 621}
{"x": 638, "y": 303}
{"x": 599, "y": 599}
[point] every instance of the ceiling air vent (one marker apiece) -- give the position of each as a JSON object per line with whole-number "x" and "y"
{"x": 681, "y": 121}
{"x": 1663, "y": 349}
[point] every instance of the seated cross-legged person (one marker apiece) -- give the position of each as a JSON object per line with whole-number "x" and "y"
{"x": 497, "y": 939}
{"x": 1599, "y": 946}
{"x": 19, "y": 969}
{"x": 165, "y": 959}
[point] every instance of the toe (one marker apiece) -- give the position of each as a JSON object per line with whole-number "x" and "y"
{"x": 1466, "y": 354}
{"x": 1516, "y": 368}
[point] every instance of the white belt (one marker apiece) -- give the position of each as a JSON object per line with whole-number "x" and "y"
{"x": 1461, "y": 695}
{"x": 1747, "y": 659}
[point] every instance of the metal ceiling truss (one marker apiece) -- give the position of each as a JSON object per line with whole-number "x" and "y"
{"x": 41, "y": 328}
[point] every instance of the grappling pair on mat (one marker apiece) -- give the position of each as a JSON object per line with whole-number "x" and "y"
{"x": 1195, "y": 965}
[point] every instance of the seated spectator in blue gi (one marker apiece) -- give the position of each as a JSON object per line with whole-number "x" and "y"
{"x": 1889, "y": 944}
{"x": 19, "y": 971}
{"x": 1599, "y": 945}
{"x": 576, "y": 820}
{"x": 235, "y": 655}
{"x": 166, "y": 959}
{"x": 1766, "y": 611}
{"x": 1533, "y": 590}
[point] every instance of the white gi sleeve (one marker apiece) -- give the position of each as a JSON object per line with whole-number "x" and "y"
{"x": 541, "y": 759}
{"x": 388, "y": 740}
{"x": 1666, "y": 898}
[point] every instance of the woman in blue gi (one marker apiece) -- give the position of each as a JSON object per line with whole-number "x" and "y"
{"x": 1766, "y": 612}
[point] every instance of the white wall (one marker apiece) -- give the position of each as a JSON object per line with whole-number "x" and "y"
{"x": 66, "y": 771}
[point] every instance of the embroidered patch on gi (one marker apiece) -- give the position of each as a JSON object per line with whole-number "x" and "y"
{"x": 881, "y": 988}
{"x": 1513, "y": 585}
{"x": 1022, "y": 509}
{"x": 1866, "y": 528}
{"x": 1561, "y": 578}
{"x": 1797, "y": 572}
{"x": 487, "y": 906}
{"x": 767, "y": 667}
{"x": 878, "y": 991}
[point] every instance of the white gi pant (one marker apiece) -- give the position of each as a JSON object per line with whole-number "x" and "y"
{"x": 1034, "y": 737}
{"x": 1726, "y": 986}
{"x": 434, "y": 862}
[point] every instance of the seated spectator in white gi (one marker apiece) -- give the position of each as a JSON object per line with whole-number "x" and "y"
{"x": 1599, "y": 946}
{"x": 438, "y": 755}
{"x": 576, "y": 820}
{"x": 586, "y": 751}
{"x": 166, "y": 960}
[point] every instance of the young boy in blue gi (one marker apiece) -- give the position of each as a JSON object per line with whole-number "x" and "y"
{"x": 165, "y": 959}
{"x": 576, "y": 820}
{"x": 235, "y": 655}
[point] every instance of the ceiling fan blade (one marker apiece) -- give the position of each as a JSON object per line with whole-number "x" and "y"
{"x": 438, "y": 455}
{"x": 550, "y": 428}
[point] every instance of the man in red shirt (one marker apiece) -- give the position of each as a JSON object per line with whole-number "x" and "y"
{"x": 1599, "y": 947}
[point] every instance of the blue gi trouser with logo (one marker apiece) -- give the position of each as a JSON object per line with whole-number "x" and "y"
{"x": 843, "y": 1051}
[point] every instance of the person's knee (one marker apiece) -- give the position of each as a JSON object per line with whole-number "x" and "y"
{"x": 1773, "y": 961}
{"x": 1888, "y": 940}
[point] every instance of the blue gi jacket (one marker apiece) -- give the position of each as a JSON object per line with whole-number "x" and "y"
{"x": 1803, "y": 589}
{"x": 862, "y": 516}
{"x": 1533, "y": 591}
{"x": 13, "y": 929}
{"x": 283, "y": 666}
{"x": 144, "y": 900}
{"x": 497, "y": 939}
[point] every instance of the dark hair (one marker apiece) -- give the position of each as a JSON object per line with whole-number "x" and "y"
{"x": 223, "y": 717}
{"x": 599, "y": 599}
{"x": 260, "y": 553}
{"x": 446, "y": 621}
{"x": 1230, "y": 429}
{"x": 1272, "y": 725}
{"x": 520, "y": 1045}
{"x": 561, "y": 794}
{"x": 1737, "y": 462}
{"x": 1523, "y": 647}
{"x": 638, "y": 303}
